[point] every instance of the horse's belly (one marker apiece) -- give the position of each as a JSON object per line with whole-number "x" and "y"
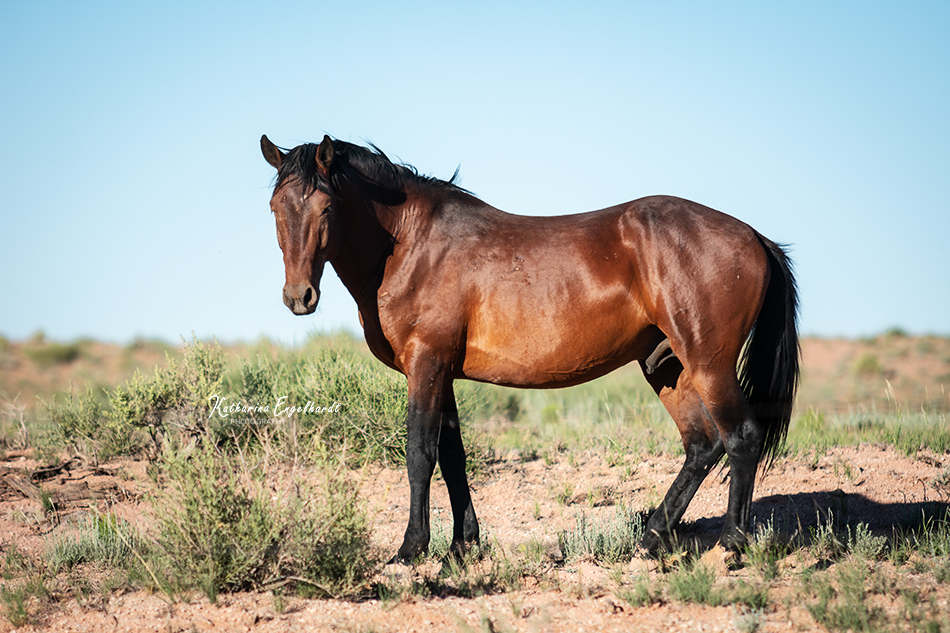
{"x": 557, "y": 348}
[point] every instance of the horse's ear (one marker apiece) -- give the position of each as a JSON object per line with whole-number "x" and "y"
{"x": 325, "y": 154}
{"x": 271, "y": 154}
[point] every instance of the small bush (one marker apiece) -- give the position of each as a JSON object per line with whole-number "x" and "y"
{"x": 863, "y": 544}
{"x": 145, "y": 401}
{"x": 373, "y": 400}
{"x": 868, "y": 365}
{"x": 753, "y": 595}
{"x": 174, "y": 398}
{"x": 328, "y": 388}
{"x": 146, "y": 411}
{"x": 550, "y": 414}
{"x": 811, "y": 423}
{"x": 367, "y": 402}
{"x": 932, "y": 535}
{"x": 825, "y": 541}
{"x": 749, "y": 621}
{"x": 491, "y": 401}
{"x": 48, "y": 355}
{"x": 896, "y": 332}
{"x": 14, "y": 432}
{"x": 224, "y": 527}
{"x": 941, "y": 483}
{"x": 78, "y": 418}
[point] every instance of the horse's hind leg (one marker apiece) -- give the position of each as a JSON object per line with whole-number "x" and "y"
{"x": 452, "y": 464}
{"x": 743, "y": 438}
{"x": 701, "y": 442}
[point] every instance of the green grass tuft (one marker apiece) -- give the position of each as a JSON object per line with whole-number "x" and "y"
{"x": 613, "y": 540}
{"x": 97, "y": 538}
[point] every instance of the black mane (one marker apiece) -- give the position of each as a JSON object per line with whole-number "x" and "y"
{"x": 371, "y": 166}
{"x": 301, "y": 162}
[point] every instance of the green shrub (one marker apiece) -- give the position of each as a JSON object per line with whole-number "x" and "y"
{"x": 868, "y": 365}
{"x": 825, "y": 537}
{"x": 18, "y": 599}
{"x": 176, "y": 396}
{"x": 344, "y": 395}
{"x": 227, "y": 526}
{"x": 941, "y": 483}
{"x": 750, "y": 594}
{"x": 326, "y": 389}
{"x": 932, "y": 536}
{"x": 863, "y": 544}
{"x": 907, "y": 432}
{"x": 491, "y": 402}
{"x": 23, "y": 592}
{"x": 47, "y": 355}
{"x": 171, "y": 401}
{"x": 77, "y": 418}
{"x": 329, "y": 389}
{"x": 373, "y": 402}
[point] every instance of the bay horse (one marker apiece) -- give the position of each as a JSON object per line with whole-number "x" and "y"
{"x": 451, "y": 288}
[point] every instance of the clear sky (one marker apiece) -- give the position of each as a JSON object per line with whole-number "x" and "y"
{"x": 134, "y": 199}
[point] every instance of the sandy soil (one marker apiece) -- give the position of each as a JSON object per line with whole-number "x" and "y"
{"x": 516, "y": 503}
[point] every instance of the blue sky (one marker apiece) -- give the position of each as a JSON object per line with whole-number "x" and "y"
{"x": 134, "y": 199}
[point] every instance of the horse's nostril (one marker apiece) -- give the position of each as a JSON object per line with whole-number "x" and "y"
{"x": 301, "y": 298}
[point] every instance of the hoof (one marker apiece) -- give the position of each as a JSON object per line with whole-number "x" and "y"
{"x": 404, "y": 559}
{"x": 410, "y": 552}
{"x": 654, "y": 544}
{"x": 398, "y": 560}
{"x": 461, "y": 552}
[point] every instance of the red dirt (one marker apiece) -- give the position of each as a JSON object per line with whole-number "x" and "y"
{"x": 874, "y": 484}
{"x": 517, "y": 503}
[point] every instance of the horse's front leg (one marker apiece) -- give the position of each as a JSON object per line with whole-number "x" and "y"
{"x": 452, "y": 463}
{"x": 423, "y": 422}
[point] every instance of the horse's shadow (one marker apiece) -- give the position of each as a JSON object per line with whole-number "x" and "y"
{"x": 801, "y": 514}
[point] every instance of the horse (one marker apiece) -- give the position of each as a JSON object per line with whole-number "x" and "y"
{"x": 450, "y": 288}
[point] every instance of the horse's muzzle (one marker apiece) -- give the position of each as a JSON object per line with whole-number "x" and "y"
{"x": 301, "y": 298}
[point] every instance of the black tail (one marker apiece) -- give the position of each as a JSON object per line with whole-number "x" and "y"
{"x": 769, "y": 371}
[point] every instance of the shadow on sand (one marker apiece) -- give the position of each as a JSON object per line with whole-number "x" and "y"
{"x": 797, "y": 515}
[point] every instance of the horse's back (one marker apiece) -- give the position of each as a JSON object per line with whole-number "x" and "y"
{"x": 552, "y": 301}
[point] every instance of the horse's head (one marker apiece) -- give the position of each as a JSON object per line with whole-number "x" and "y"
{"x": 307, "y": 228}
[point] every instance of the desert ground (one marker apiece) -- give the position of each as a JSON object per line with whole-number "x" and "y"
{"x": 523, "y": 502}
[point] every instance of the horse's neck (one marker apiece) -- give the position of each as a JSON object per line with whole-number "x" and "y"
{"x": 371, "y": 230}
{"x": 361, "y": 259}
